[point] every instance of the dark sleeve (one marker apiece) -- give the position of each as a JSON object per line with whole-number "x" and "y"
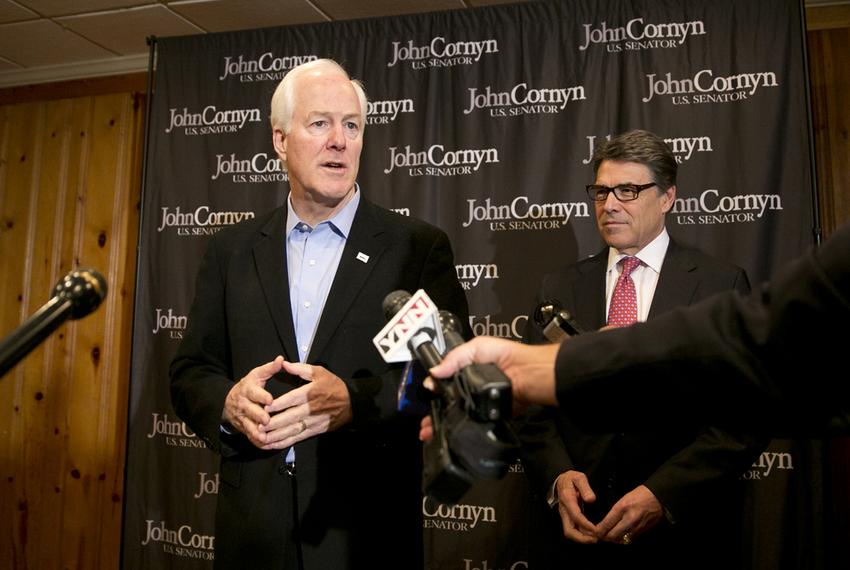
{"x": 201, "y": 373}
{"x": 769, "y": 361}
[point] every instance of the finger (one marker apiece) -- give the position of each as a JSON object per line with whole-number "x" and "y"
{"x": 572, "y": 530}
{"x": 287, "y": 435}
{"x": 303, "y": 371}
{"x": 577, "y": 519}
{"x": 295, "y": 397}
{"x": 250, "y": 430}
{"x": 456, "y": 359}
{"x": 312, "y": 426}
{"x": 426, "y": 429}
{"x": 267, "y": 370}
{"x": 582, "y": 485}
{"x": 289, "y": 416}
{"x": 613, "y": 526}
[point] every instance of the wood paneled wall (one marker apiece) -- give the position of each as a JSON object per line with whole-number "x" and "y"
{"x": 69, "y": 193}
{"x": 69, "y": 197}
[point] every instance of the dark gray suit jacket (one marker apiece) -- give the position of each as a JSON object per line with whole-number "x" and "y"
{"x": 358, "y": 488}
{"x": 686, "y": 467}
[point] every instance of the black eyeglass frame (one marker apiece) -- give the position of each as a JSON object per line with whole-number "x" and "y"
{"x": 596, "y": 190}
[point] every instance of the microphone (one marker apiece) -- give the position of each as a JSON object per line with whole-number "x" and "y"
{"x": 558, "y": 324}
{"x": 75, "y": 296}
{"x": 485, "y": 386}
{"x": 412, "y": 329}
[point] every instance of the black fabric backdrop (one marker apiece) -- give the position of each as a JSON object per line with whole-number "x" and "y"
{"x": 481, "y": 122}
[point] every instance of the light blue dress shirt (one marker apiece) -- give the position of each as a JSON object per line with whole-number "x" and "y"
{"x": 312, "y": 258}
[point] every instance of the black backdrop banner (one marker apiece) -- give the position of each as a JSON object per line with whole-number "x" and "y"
{"x": 482, "y": 122}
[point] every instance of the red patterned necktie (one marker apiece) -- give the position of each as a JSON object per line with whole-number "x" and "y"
{"x": 623, "y": 309}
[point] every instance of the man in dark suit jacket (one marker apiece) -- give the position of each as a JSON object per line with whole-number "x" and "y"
{"x": 665, "y": 493}
{"x": 277, "y": 371}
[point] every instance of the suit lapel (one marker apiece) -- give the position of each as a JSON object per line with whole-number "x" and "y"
{"x": 363, "y": 248}
{"x": 270, "y": 262}
{"x": 590, "y": 292}
{"x": 677, "y": 283}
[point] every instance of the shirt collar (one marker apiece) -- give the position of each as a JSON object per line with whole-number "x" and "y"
{"x": 341, "y": 221}
{"x": 652, "y": 255}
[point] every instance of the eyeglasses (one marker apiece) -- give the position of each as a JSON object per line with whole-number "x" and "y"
{"x": 623, "y": 192}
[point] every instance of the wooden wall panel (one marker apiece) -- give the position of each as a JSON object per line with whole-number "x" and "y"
{"x": 830, "y": 76}
{"x": 69, "y": 193}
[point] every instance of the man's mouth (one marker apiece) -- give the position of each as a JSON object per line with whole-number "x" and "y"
{"x": 334, "y": 165}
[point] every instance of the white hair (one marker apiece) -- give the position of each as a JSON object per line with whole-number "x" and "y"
{"x": 283, "y": 100}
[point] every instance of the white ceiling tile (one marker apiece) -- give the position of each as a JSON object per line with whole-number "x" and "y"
{"x": 65, "y": 7}
{"x": 42, "y": 42}
{"x": 124, "y": 31}
{"x": 349, "y": 10}
{"x": 226, "y": 15}
{"x": 11, "y": 12}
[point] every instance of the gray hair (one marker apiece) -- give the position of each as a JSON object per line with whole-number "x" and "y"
{"x": 642, "y": 147}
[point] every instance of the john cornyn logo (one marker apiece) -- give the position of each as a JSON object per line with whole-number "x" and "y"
{"x": 384, "y": 112}
{"x": 440, "y": 52}
{"x": 211, "y": 120}
{"x": 267, "y": 67}
{"x": 180, "y": 541}
{"x": 259, "y": 168}
{"x": 437, "y": 161}
{"x": 200, "y": 221}
{"x": 637, "y": 34}
{"x": 167, "y": 321}
{"x": 523, "y": 100}
{"x": 707, "y": 87}
{"x": 711, "y": 208}
{"x": 522, "y": 214}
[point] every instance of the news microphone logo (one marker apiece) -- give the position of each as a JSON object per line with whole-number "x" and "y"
{"x": 417, "y": 314}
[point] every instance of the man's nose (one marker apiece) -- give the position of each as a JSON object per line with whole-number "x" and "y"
{"x": 611, "y": 202}
{"x": 336, "y": 137}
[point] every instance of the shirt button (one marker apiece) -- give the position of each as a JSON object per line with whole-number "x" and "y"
{"x": 304, "y": 348}
{"x": 312, "y": 262}
{"x": 307, "y": 304}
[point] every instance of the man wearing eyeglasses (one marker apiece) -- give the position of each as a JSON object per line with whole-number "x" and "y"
{"x": 653, "y": 498}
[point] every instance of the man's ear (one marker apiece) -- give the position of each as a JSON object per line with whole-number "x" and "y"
{"x": 667, "y": 199}
{"x": 279, "y": 142}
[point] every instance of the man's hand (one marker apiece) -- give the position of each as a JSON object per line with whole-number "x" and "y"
{"x": 531, "y": 369}
{"x": 635, "y": 513}
{"x": 244, "y": 404}
{"x": 321, "y": 406}
{"x": 573, "y": 492}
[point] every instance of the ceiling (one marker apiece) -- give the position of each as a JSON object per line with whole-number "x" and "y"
{"x": 55, "y": 40}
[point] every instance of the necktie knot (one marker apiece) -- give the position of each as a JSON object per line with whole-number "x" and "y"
{"x": 629, "y": 264}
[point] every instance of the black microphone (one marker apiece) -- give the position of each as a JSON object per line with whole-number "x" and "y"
{"x": 486, "y": 386}
{"x": 421, "y": 343}
{"x": 75, "y": 296}
{"x": 558, "y": 324}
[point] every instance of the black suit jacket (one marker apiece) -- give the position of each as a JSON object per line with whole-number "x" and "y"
{"x": 687, "y": 467}
{"x": 358, "y": 488}
{"x": 773, "y": 361}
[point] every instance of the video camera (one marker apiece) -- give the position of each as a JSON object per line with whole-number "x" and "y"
{"x": 469, "y": 412}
